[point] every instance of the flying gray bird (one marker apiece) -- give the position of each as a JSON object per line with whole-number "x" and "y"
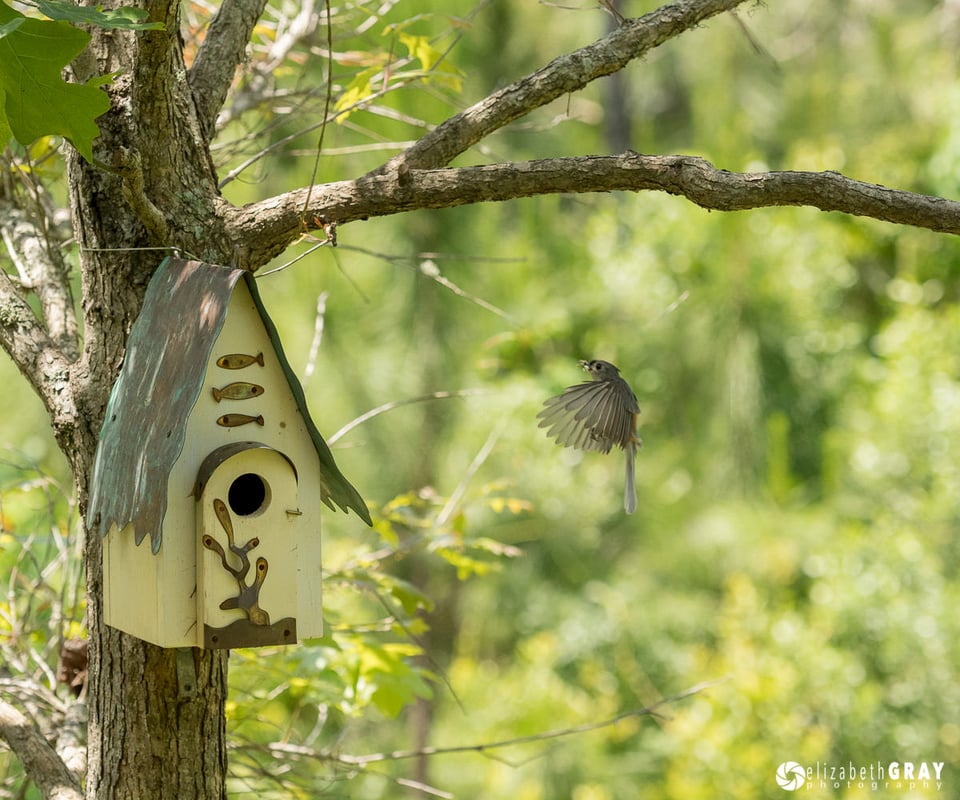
{"x": 597, "y": 415}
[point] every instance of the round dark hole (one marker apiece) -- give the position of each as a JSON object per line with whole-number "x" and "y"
{"x": 247, "y": 494}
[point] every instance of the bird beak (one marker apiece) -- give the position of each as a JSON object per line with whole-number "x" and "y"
{"x": 584, "y": 365}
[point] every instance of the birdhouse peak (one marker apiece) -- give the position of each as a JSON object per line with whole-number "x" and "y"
{"x": 174, "y": 346}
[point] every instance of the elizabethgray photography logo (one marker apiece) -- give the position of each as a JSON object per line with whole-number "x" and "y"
{"x": 792, "y": 776}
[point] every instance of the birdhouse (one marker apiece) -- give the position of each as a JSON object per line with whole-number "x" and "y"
{"x": 208, "y": 453}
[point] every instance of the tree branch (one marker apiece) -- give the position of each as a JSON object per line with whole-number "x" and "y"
{"x": 43, "y": 350}
{"x": 258, "y": 87}
{"x": 223, "y": 49}
{"x": 265, "y": 238}
{"x": 486, "y": 747}
{"x": 43, "y": 272}
{"x": 27, "y": 343}
{"x": 273, "y": 224}
{"x": 565, "y": 74}
{"x": 40, "y": 762}
{"x": 412, "y": 180}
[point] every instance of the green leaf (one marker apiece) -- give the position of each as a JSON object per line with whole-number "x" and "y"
{"x": 394, "y": 683}
{"x": 5, "y": 133}
{"x": 409, "y": 596}
{"x": 431, "y": 61}
{"x": 36, "y": 101}
{"x": 10, "y": 26}
{"x": 466, "y": 566}
{"x": 127, "y": 18}
{"x": 420, "y": 48}
{"x": 387, "y": 532}
{"x": 358, "y": 91}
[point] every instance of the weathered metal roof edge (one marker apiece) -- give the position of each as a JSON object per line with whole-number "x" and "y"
{"x": 338, "y": 488}
{"x": 104, "y": 512}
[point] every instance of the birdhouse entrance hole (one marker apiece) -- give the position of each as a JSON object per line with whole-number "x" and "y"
{"x": 248, "y": 494}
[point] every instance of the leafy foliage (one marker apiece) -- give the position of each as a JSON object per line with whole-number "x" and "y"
{"x": 800, "y": 386}
{"x": 34, "y": 100}
{"x": 373, "y": 662}
{"x": 41, "y": 600}
{"x": 123, "y": 18}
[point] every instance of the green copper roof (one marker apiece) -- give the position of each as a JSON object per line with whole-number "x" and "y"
{"x": 163, "y": 372}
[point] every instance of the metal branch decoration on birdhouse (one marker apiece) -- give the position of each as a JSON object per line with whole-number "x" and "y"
{"x": 209, "y": 450}
{"x": 247, "y": 599}
{"x": 256, "y": 625}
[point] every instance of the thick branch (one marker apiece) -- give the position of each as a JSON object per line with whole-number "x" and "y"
{"x": 44, "y": 348}
{"x": 258, "y": 85}
{"x": 263, "y": 239}
{"x": 223, "y": 49}
{"x": 568, "y": 73}
{"x": 272, "y": 224}
{"x": 42, "y": 765}
{"x": 31, "y": 349}
{"x": 43, "y": 272}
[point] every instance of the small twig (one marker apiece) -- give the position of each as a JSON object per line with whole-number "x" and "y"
{"x": 177, "y": 251}
{"x": 349, "y": 278}
{"x": 484, "y": 747}
{"x": 135, "y": 193}
{"x": 365, "y": 102}
{"x": 317, "y": 336}
{"x": 681, "y": 299}
{"x": 758, "y": 48}
{"x": 293, "y": 261}
{"x": 454, "y": 500}
{"x": 430, "y": 269}
{"x": 424, "y": 788}
{"x": 327, "y": 101}
{"x": 375, "y": 412}
{"x": 610, "y": 7}
{"x": 434, "y": 665}
{"x": 426, "y": 265}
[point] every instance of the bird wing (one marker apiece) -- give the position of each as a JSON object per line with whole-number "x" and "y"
{"x": 590, "y": 416}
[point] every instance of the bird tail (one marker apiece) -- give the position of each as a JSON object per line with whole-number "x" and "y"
{"x": 630, "y": 488}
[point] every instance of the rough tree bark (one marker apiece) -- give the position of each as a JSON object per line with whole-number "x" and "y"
{"x": 154, "y": 185}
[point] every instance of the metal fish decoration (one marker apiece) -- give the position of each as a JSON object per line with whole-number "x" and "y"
{"x": 233, "y": 420}
{"x": 237, "y": 391}
{"x": 239, "y": 360}
{"x": 220, "y": 509}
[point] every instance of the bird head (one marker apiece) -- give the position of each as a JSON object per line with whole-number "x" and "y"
{"x": 600, "y": 370}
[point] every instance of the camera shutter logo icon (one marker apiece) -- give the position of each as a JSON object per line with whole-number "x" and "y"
{"x": 791, "y": 776}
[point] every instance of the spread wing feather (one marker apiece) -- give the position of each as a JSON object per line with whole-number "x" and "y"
{"x": 591, "y": 416}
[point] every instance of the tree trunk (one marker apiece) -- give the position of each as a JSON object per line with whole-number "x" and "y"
{"x": 151, "y": 735}
{"x": 155, "y": 731}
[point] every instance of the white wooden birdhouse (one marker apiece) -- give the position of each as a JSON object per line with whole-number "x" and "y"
{"x": 209, "y": 452}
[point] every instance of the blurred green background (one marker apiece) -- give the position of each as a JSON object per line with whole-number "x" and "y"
{"x": 799, "y": 378}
